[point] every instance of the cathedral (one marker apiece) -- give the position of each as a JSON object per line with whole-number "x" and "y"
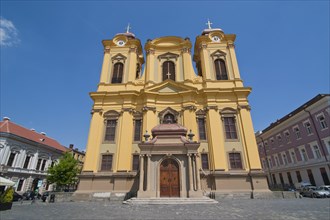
{"x": 166, "y": 130}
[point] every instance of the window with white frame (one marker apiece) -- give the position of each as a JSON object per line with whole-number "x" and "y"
{"x": 285, "y": 159}
{"x": 322, "y": 121}
{"x": 297, "y": 132}
{"x": 287, "y": 136}
{"x": 316, "y": 152}
{"x": 279, "y": 139}
{"x": 293, "y": 157}
{"x": 277, "y": 162}
{"x": 303, "y": 154}
{"x": 308, "y": 128}
{"x": 270, "y": 163}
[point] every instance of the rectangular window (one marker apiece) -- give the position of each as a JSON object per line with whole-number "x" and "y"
{"x": 285, "y": 160}
{"x": 26, "y": 162}
{"x": 298, "y": 176}
{"x": 106, "y": 164}
{"x": 110, "y": 131}
{"x": 43, "y": 165}
{"x": 230, "y": 127}
{"x": 38, "y": 164}
{"x": 293, "y": 157}
{"x": 281, "y": 179}
{"x": 277, "y": 162}
{"x": 322, "y": 121}
{"x": 317, "y": 152}
{"x": 287, "y": 136}
{"x": 20, "y": 184}
{"x": 205, "y": 161}
{"x": 136, "y": 162}
{"x": 311, "y": 177}
{"x": 289, "y": 178}
{"x": 274, "y": 179}
{"x": 324, "y": 176}
{"x": 270, "y": 162}
{"x": 308, "y": 128}
{"x": 303, "y": 154}
{"x": 297, "y": 131}
{"x": 279, "y": 138}
{"x": 11, "y": 159}
{"x": 235, "y": 161}
{"x": 201, "y": 128}
{"x": 137, "y": 130}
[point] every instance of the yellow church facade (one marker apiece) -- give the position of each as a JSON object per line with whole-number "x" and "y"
{"x": 168, "y": 131}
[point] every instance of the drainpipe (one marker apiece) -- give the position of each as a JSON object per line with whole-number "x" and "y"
{"x": 318, "y": 137}
{"x": 267, "y": 162}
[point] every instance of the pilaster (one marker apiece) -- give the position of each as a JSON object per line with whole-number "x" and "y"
{"x": 216, "y": 140}
{"x": 94, "y": 142}
{"x": 132, "y": 64}
{"x": 105, "y": 76}
{"x": 205, "y": 62}
{"x": 189, "y": 119}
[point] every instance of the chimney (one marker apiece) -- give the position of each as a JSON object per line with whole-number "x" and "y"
{"x": 6, "y": 118}
{"x": 43, "y": 133}
{"x": 71, "y": 146}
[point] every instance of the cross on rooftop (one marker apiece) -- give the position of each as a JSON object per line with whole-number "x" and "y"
{"x": 128, "y": 28}
{"x": 209, "y": 23}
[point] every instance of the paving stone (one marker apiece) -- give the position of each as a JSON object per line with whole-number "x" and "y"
{"x": 288, "y": 209}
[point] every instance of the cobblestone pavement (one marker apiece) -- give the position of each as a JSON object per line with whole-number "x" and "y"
{"x": 287, "y": 209}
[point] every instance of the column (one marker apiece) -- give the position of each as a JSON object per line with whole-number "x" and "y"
{"x": 141, "y": 172}
{"x": 205, "y": 62}
{"x": 150, "y": 68}
{"x": 191, "y": 186}
{"x": 148, "y": 172}
{"x": 188, "y": 72}
{"x": 198, "y": 178}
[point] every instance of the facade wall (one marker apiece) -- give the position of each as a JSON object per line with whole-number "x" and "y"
{"x": 281, "y": 149}
{"x": 33, "y": 175}
{"x": 190, "y": 96}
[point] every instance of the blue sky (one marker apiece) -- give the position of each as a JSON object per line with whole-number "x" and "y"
{"x": 51, "y": 54}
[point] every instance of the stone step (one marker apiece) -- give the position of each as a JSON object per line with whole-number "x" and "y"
{"x": 169, "y": 201}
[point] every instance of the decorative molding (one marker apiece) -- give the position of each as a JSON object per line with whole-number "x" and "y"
{"x": 231, "y": 46}
{"x": 150, "y": 51}
{"x": 218, "y": 54}
{"x": 107, "y": 50}
{"x": 207, "y": 108}
{"x": 189, "y": 107}
{"x": 112, "y": 114}
{"x": 168, "y": 56}
{"x": 118, "y": 57}
{"x": 148, "y": 108}
{"x": 133, "y": 49}
{"x": 186, "y": 50}
{"x": 130, "y": 110}
{"x": 95, "y": 110}
{"x": 247, "y": 107}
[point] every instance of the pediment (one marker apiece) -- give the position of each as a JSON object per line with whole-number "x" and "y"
{"x": 168, "y": 56}
{"x": 118, "y": 57}
{"x": 218, "y": 54}
{"x": 169, "y": 86}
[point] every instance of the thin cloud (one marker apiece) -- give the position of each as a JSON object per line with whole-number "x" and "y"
{"x": 8, "y": 33}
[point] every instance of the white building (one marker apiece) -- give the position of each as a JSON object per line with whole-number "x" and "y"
{"x": 25, "y": 156}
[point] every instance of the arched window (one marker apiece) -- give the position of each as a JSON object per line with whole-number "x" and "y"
{"x": 117, "y": 74}
{"x": 168, "y": 70}
{"x": 220, "y": 69}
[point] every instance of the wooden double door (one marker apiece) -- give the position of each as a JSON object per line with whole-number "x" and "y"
{"x": 169, "y": 179}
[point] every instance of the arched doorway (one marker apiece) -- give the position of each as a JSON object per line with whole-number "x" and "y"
{"x": 169, "y": 178}
{"x": 35, "y": 184}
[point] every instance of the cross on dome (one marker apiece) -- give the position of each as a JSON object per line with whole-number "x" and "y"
{"x": 209, "y": 23}
{"x": 128, "y": 28}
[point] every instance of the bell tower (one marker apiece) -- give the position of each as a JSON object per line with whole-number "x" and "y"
{"x": 123, "y": 59}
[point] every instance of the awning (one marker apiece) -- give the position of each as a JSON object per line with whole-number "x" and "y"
{"x": 6, "y": 182}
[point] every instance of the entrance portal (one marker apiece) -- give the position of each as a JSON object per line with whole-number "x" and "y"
{"x": 169, "y": 179}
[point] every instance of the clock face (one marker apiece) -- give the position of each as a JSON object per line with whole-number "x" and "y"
{"x": 215, "y": 39}
{"x": 121, "y": 43}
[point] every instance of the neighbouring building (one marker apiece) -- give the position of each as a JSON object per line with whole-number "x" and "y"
{"x": 77, "y": 154}
{"x": 167, "y": 131}
{"x": 296, "y": 147}
{"x": 25, "y": 156}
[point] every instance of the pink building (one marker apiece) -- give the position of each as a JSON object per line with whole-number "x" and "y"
{"x": 296, "y": 147}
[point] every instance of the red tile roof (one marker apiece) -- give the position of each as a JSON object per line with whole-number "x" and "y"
{"x": 7, "y": 126}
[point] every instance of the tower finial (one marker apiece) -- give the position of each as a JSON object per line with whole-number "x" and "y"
{"x": 209, "y": 23}
{"x": 128, "y": 28}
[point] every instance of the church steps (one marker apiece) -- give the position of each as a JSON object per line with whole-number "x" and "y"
{"x": 169, "y": 201}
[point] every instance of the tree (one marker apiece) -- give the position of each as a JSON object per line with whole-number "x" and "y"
{"x": 65, "y": 173}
